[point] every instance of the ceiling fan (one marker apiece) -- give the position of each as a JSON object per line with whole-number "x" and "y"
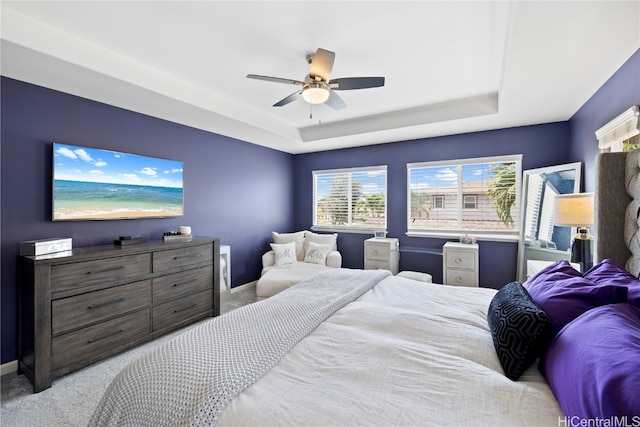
{"x": 316, "y": 87}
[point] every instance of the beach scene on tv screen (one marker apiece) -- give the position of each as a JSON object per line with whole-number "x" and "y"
{"x": 90, "y": 183}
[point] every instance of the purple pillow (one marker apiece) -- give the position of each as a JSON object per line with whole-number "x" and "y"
{"x": 610, "y": 273}
{"x": 593, "y": 364}
{"x": 564, "y": 294}
{"x": 556, "y": 271}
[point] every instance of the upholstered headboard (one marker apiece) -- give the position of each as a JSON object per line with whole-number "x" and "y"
{"x": 618, "y": 209}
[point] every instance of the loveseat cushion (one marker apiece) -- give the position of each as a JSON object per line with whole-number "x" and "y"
{"x": 297, "y": 238}
{"x": 316, "y": 253}
{"x": 277, "y": 279}
{"x": 284, "y": 253}
{"x": 321, "y": 239}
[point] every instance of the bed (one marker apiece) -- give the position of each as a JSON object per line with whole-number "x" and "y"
{"x": 362, "y": 347}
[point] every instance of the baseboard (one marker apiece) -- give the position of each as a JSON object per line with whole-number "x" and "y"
{"x": 8, "y": 368}
{"x": 243, "y": 287}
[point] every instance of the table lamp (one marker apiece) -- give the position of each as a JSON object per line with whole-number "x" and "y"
{"x": 576, "y": 210}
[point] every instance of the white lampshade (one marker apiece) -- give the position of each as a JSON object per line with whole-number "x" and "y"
{"x": 573, "y": 210}
{"x": 315, "y": 94}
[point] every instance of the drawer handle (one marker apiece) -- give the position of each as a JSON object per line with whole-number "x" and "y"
{"x": 459, "y": 260}
{"x": 106, "y": 270}
{"x": 196, "y": 256}
{"x": 459, "y": 279}
{"x": 90, "y": 341}
{"x": 184, "y": 308}
{"x": 115, "y": 301}
{"x": 175, "y": 285}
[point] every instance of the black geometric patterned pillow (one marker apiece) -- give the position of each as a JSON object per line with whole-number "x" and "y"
{"x": 521, "y": 330}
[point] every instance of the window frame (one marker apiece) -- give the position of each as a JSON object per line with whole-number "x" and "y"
{"x": 490, "y": 235}
{"x": 464, "y": 202}
{"x": 349, "y": 228}
{"x": 439, "y": 197}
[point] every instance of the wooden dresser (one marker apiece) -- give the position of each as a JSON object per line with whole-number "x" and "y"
{"x": 80, "y": 306}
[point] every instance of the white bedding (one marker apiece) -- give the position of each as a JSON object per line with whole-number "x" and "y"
{"x": 345, "y": 347}
{"x": 405, "y": 353}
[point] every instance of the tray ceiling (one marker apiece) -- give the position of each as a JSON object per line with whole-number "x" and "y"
{"x": 450, "y": 67}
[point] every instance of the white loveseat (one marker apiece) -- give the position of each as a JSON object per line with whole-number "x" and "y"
{"x": 295, "y": 257}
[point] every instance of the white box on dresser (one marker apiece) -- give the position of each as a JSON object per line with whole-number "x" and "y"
{"x": 45, "y": 246}
{"x": 460, "y": 264}
{"x": 382, "y": 254}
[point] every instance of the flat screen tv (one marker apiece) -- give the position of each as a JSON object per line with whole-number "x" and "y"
{"x": 94, "y": 184}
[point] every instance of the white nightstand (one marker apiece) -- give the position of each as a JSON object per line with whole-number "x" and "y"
{"x": 382, "y": 254}
{"x": 460, "y": 264}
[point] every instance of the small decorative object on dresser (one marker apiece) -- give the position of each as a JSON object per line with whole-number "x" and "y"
{"x": 460, "y": 264}
{"x": 98, "y": 301}
{"x": 45, "y": 246}
{"x": 175, "y": 235}
{"x": 129, "y": 240}
{"x": 382, "y": 254}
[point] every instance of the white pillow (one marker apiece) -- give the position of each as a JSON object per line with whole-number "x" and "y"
{"x": 285, "y": 253}
{"x": 321, "y": 239}
{"x": 298, "y": 238}
{"x": 317, "y": 254}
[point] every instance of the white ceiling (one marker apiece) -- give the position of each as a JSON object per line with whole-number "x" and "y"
{"x": 450, "y": 66}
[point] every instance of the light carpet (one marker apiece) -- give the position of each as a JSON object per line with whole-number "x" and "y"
{"x": 72, "y": 398}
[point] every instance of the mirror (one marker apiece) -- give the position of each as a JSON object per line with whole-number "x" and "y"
{"x": 541, "y": 241}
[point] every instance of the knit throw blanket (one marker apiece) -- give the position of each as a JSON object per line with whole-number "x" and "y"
{"x": 191, "y": 379}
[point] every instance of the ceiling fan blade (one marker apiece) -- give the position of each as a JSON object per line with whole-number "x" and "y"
{"x": 350, "y": 83}
{"x": 275, "y": 79}
{"x": 322, "y": 64}
{"x": 289, "y": 99}
{"x": 335, "y": 101}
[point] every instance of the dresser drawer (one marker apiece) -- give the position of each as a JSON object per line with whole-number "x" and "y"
{"x": 375, "y": 251}
{"x": 178, "y": 285}
{"x": 96, "y": 342}
{"x": 97, "y": 272}
{"x": 461, "y": 278}
{"x": 461, "y": 259}
{"x": 75, "y": 312}
{"x": 172, "y": 312}
{"x": 182, "y": 257}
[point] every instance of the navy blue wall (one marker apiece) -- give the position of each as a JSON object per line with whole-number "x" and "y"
{"x": 619, "y": 93}
{"x": 237, "y": 191}
{"x": 241, "y": 192}
{"x": 541, "y": 145}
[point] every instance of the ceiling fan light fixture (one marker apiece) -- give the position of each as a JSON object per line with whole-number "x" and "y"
{"x": 315, "y": 93}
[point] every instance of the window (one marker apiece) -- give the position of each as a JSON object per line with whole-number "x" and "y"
{"x": 438, "y": 202}
{"x": 470, "y": 202}
{"x": 482, "y": 197}
{"x": 621, "y": 133}
{"x": 353, "y": 199}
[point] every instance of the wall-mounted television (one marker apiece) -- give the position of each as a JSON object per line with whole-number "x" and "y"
{"x": 95, "y": 184}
